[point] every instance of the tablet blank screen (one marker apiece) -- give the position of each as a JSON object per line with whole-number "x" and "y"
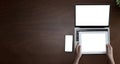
{"x": 93, "y": 42}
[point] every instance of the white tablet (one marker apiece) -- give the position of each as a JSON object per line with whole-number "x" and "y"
{"x": 93, "y": 42}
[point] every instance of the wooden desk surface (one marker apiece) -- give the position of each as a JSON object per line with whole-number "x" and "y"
{"x": 32, "y": 32}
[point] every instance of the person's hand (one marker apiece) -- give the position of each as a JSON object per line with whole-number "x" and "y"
{"x": 78, "y": 50}
{"x": 110, "y": 53}
{"x": 78, "y": 54}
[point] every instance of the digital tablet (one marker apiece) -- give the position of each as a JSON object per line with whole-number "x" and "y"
{"x": 93, "y": 42}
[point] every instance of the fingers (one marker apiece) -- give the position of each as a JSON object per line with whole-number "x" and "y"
{"x": 78, "y": 52}
{"x": 109, "y": 47}
{"x": 109, "y": 50}
{"x": 77, "y": 48}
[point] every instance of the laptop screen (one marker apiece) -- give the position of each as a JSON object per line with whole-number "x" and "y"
{"x": 92, "y": 15}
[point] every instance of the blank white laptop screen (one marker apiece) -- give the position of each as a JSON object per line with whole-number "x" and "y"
{"x": 92, "y": 15}
{"x": 93, "y": 42}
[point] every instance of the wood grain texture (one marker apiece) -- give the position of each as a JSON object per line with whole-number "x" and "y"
{"x": 32, "y": 31}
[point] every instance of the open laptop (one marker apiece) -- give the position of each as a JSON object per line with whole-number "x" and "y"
{"x": 92, "y": 28}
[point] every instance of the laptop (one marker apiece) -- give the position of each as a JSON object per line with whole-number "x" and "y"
{"x": 92, "y": 28}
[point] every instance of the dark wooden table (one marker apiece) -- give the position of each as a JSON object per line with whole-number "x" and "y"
{"x": 32, "y": 31}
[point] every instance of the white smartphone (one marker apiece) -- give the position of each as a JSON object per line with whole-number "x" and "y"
{"x": 68, "y": 43}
